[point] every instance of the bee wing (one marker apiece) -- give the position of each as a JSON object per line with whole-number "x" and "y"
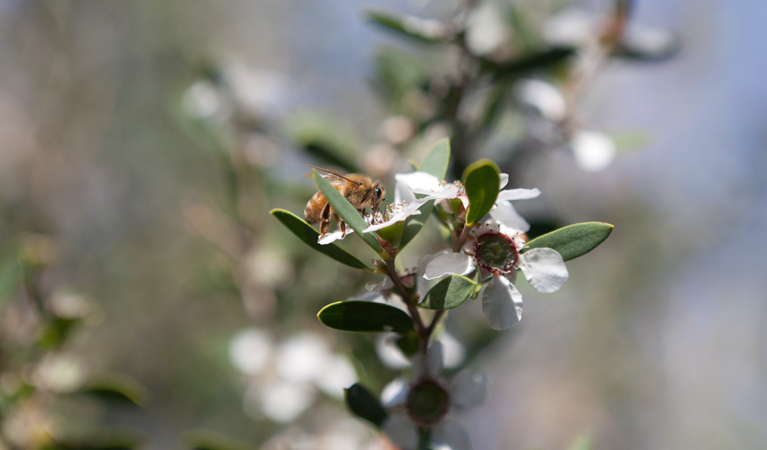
{"x": 333, "y": 177}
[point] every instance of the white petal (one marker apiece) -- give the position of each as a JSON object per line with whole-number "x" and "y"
{"x": 442, "y": 192}
{"x": 449, "y": 264}
{"x": 395, "y": 393}
{"x": 389, "y": 354}
{"x": 454, "y": 352}
{"x": 431, "y": 366}
{"x": 334, "y": 236}
{"x": 401, "y": 431}
{"x": 372, "y": 296}
{"x": 518, "y": 194}
{"x": 593, "y": 151}
{"x": 450, "y": 435}
{"x": 435, "y": 360}
{"x": 402, "y": 193}
{"x": 501, "y": 303}
{"x": 419, "y": 180}
{"x": 411, "y": 209}
{"x": 469, "y": 389}
{"x": 504, "y": 180}
{"x": 544, "y": 269}
{"x": 386, "y": 283}
{"x": 505, "y": 213}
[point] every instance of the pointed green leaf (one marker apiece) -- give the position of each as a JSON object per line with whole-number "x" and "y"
{"x": 348, "y": 213}
{"x": 116, "y": 386}
{"x": 574, "y": 240}
{"x": 437, "y": 160}
{"x": 413, "y": 224}
{"x": 363, "y": 404}
{"x": 362, "y": 316}
{"x": 111, "y": 438}
{"x": 309, "y": 236}
{"x": 481, "y": 181}
{"x": 528, "y": 62}
{"x": 327, "y": 153}
{"x": 420, "y": 30}
{"x": 449, "y": 293}
{"x": 435, "y": 163}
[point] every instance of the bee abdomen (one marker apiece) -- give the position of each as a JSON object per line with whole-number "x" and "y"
{"x": 313, "y": 210}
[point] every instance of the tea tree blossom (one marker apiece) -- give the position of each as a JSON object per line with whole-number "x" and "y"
{"x": 428, "y": 400}
{"x": 406, "y": 307}
{"x": 496, "y": 249}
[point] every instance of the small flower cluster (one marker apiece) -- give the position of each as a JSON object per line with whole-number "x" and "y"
{"x": 489, "y": 245}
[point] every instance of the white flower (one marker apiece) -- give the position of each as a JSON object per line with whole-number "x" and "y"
{"x": 422, "y": 183}
{"x": 495, "y": 248}
{"x": 408, "y": 408}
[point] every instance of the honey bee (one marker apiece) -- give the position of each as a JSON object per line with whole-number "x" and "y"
{"x": 358, "y": 189}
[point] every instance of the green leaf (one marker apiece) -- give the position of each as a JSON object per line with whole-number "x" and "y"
{"x": 449, "y": 293}
{"x": 420, "y": 30}
{"x": 481, "y": 181}
{"x": 309, "y": 236}
{"x": 396, "y": 74}
{"x": 116, "y": 386}
{"x": 362, "y": 316}
{"x": 318, "y": 134}
{"x": 348, "y": 213}
{"x": 435, "y": 163}
{"x": 323, "y": 151}
{"x": 528, "y": 63}
{"x": 574, "y": 240}
{"x": 413, "y": 224}
{"x": 363, "y": 404}
{"x": 203, "y": 439}
{"x": 112, "y": 438}
{"x": 408, "y": 344}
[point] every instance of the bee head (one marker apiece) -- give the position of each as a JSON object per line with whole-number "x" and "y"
{"x": 378, "y": 193}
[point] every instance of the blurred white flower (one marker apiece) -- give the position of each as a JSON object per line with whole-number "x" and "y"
{"x": 60, "y": 373}
{"x": 427, "y": 400}
{"x": 593, "y": 151}
{"x": 338, "y": 375}
{"x": 486, "y": 30}
{"x": 250, "y": 349}
{"x": 279, "y": 400}
{"x": 203, "y": 100}
{"x": 303, "y": 358}
{"x": 544, "y": 98}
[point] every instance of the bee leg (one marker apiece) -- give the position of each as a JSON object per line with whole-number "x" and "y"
{"x": 343, "y": 229}
{"x": 324, "y": 220}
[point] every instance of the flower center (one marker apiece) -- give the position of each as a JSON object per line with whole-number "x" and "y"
{"x": 496, "y": 252}
{"x": 427, "y": 402}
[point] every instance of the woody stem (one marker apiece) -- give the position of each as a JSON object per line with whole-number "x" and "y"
{"x": 421, "y": 329}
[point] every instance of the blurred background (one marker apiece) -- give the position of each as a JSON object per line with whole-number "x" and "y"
{"x": 138, "y": 261}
